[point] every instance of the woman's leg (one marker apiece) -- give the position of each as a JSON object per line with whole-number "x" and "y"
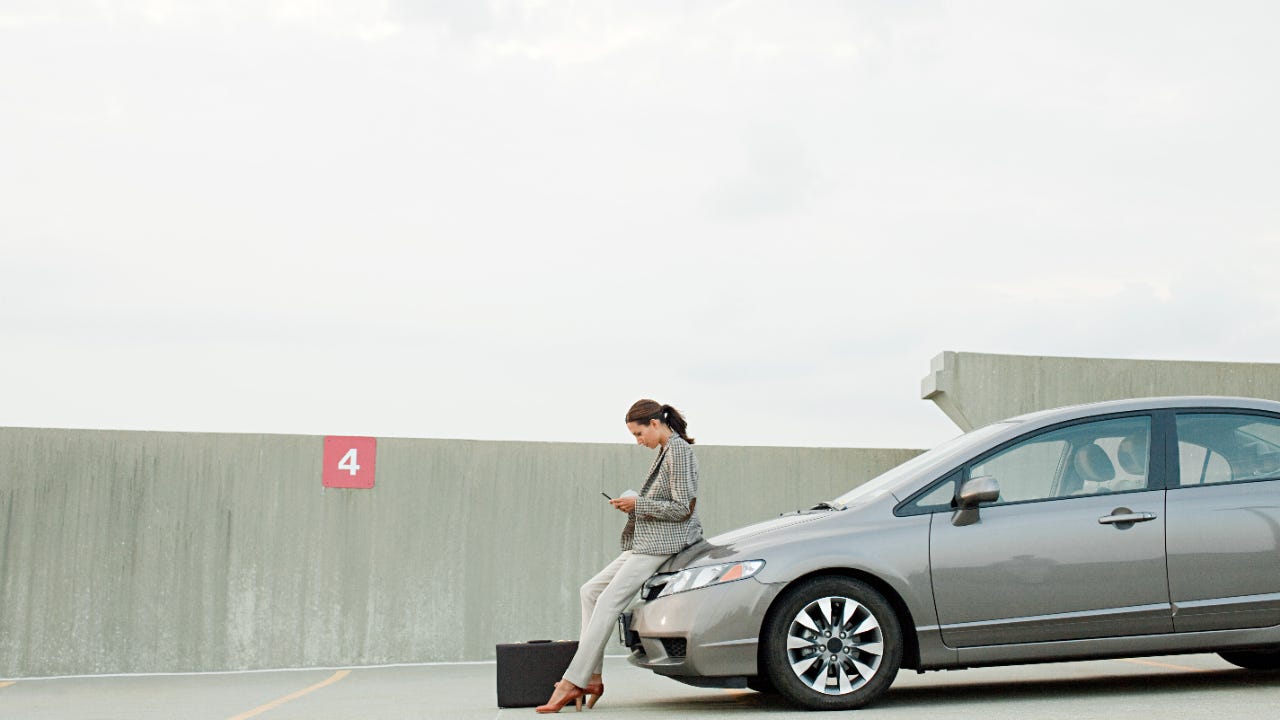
{"x": 591, "y": 589}
{"x": 589, "y": 593}
{"x": 631, "y": 574}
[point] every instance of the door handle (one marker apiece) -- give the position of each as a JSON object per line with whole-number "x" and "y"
{"x": 1131, "y": 517}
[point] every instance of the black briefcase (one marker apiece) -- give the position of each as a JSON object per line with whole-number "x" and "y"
{"x": 528, "y": 671}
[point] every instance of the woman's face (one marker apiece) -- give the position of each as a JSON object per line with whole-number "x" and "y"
{"x": 649, "y": 435}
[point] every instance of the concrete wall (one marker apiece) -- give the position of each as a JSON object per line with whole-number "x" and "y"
{"x": 140, "y": 552}
{"x": 975, "y": 389}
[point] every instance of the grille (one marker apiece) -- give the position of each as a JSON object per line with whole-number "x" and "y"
{"x": 626, "y": 635}
{"x": 675, "y": 647}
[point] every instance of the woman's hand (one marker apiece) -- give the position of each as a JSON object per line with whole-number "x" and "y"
{"x": 625, "y": 504}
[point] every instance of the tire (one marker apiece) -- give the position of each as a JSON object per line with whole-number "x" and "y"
{"x": 832, "y": 643}
{"x": 1253, "y": 659}
{"x": 762, "y": 684}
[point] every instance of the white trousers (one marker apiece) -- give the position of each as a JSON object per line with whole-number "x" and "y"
{"x": 604, "y": 597}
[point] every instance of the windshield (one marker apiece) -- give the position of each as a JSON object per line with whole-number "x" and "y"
{"x": 954, "y": 446}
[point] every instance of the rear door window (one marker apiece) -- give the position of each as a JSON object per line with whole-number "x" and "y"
{"x": 1216, "y": 448}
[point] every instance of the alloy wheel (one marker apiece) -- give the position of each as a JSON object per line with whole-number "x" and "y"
{"x": 835, "y": 645}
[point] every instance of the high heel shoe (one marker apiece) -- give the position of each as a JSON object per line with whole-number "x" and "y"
{"x": 593, "y": 691}
{"x": 573, "y": 693}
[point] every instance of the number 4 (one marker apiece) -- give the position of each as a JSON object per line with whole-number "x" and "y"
{"x": 348, "y": 462}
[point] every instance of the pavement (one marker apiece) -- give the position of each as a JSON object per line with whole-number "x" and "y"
{"x": 1184, "y": 686}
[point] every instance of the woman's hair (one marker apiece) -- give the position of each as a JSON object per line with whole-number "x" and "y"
{"x": 645, "y": 411}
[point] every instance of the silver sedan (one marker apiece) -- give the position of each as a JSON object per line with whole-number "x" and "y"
{"x": 1115, "y": 529}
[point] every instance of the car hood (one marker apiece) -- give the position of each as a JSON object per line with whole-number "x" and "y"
{"x": 733, "y": 544}
{"x": 768, "y": 526}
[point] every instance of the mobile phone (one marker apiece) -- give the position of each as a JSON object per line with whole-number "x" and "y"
{"x": 606, "y": 495}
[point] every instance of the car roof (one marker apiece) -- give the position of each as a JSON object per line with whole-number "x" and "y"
{"x": 1072, "y": 412}
{"x": 1020, "y": 425}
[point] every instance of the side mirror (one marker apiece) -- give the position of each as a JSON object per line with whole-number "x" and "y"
{"x": 974, "y": 492}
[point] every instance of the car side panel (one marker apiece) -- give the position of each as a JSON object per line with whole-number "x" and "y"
{"x": 1045, "y": 571}
{"x": 1224, "y": 555}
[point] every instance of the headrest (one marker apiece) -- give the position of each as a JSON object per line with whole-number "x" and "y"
{"x": 1132, "y": 454}
{"x": 1093, "y": 464}
{"x": 1257, "y": 459}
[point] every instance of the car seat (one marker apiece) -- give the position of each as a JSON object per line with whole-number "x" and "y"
{"x": 1132, "y": 456}
{"x": 1090, "y": 464}
{"x": 1256, "y": 461}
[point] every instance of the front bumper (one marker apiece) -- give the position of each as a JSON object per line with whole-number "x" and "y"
{"x": 708, "y": 632}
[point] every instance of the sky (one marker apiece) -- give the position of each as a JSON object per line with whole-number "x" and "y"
{"x": 509, "y": 220}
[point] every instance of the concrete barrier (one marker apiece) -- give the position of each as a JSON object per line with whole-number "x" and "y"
{"x": 147, "y": 552}
{"x": 975, "y": 389}
{"x": 164, "y": 552}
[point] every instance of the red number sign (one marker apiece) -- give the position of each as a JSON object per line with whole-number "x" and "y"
{"x": 349, "y": 461}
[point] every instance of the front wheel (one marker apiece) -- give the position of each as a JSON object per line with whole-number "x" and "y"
{"x": 1253, "y": 659}
{"x": 833, "y": 643}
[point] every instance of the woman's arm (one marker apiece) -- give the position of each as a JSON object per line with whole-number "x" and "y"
{"x": 680, "y": 471}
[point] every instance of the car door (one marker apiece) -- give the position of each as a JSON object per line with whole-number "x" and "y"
{"x": 1048, "y": 560}
{"x": 1224, "y": 522}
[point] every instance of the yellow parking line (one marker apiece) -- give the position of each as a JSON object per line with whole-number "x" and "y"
{"x": 291, "y": 696}
{"x": 6, "y": 684}
{"x": 1168, "y": 666}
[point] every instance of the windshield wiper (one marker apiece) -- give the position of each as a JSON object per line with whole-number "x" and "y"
{"x": 824, "y": 505}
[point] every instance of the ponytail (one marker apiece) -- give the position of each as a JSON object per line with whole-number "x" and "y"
{"x": 646, "y": 411}
{"x": 676, "y": 422}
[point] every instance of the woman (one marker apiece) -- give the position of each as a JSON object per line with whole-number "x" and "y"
{"x": 661, "y": 521}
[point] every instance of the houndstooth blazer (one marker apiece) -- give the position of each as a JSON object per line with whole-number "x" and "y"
{"x": 666, "y": 519}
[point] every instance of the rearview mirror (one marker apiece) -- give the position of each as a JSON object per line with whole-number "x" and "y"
{"x": 974, "y": 492}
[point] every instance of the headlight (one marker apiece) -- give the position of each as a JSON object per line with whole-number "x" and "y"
{"x": 699, "y": 577}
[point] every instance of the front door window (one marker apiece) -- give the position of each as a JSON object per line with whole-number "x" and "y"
{"x": 1088, "y": 459}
